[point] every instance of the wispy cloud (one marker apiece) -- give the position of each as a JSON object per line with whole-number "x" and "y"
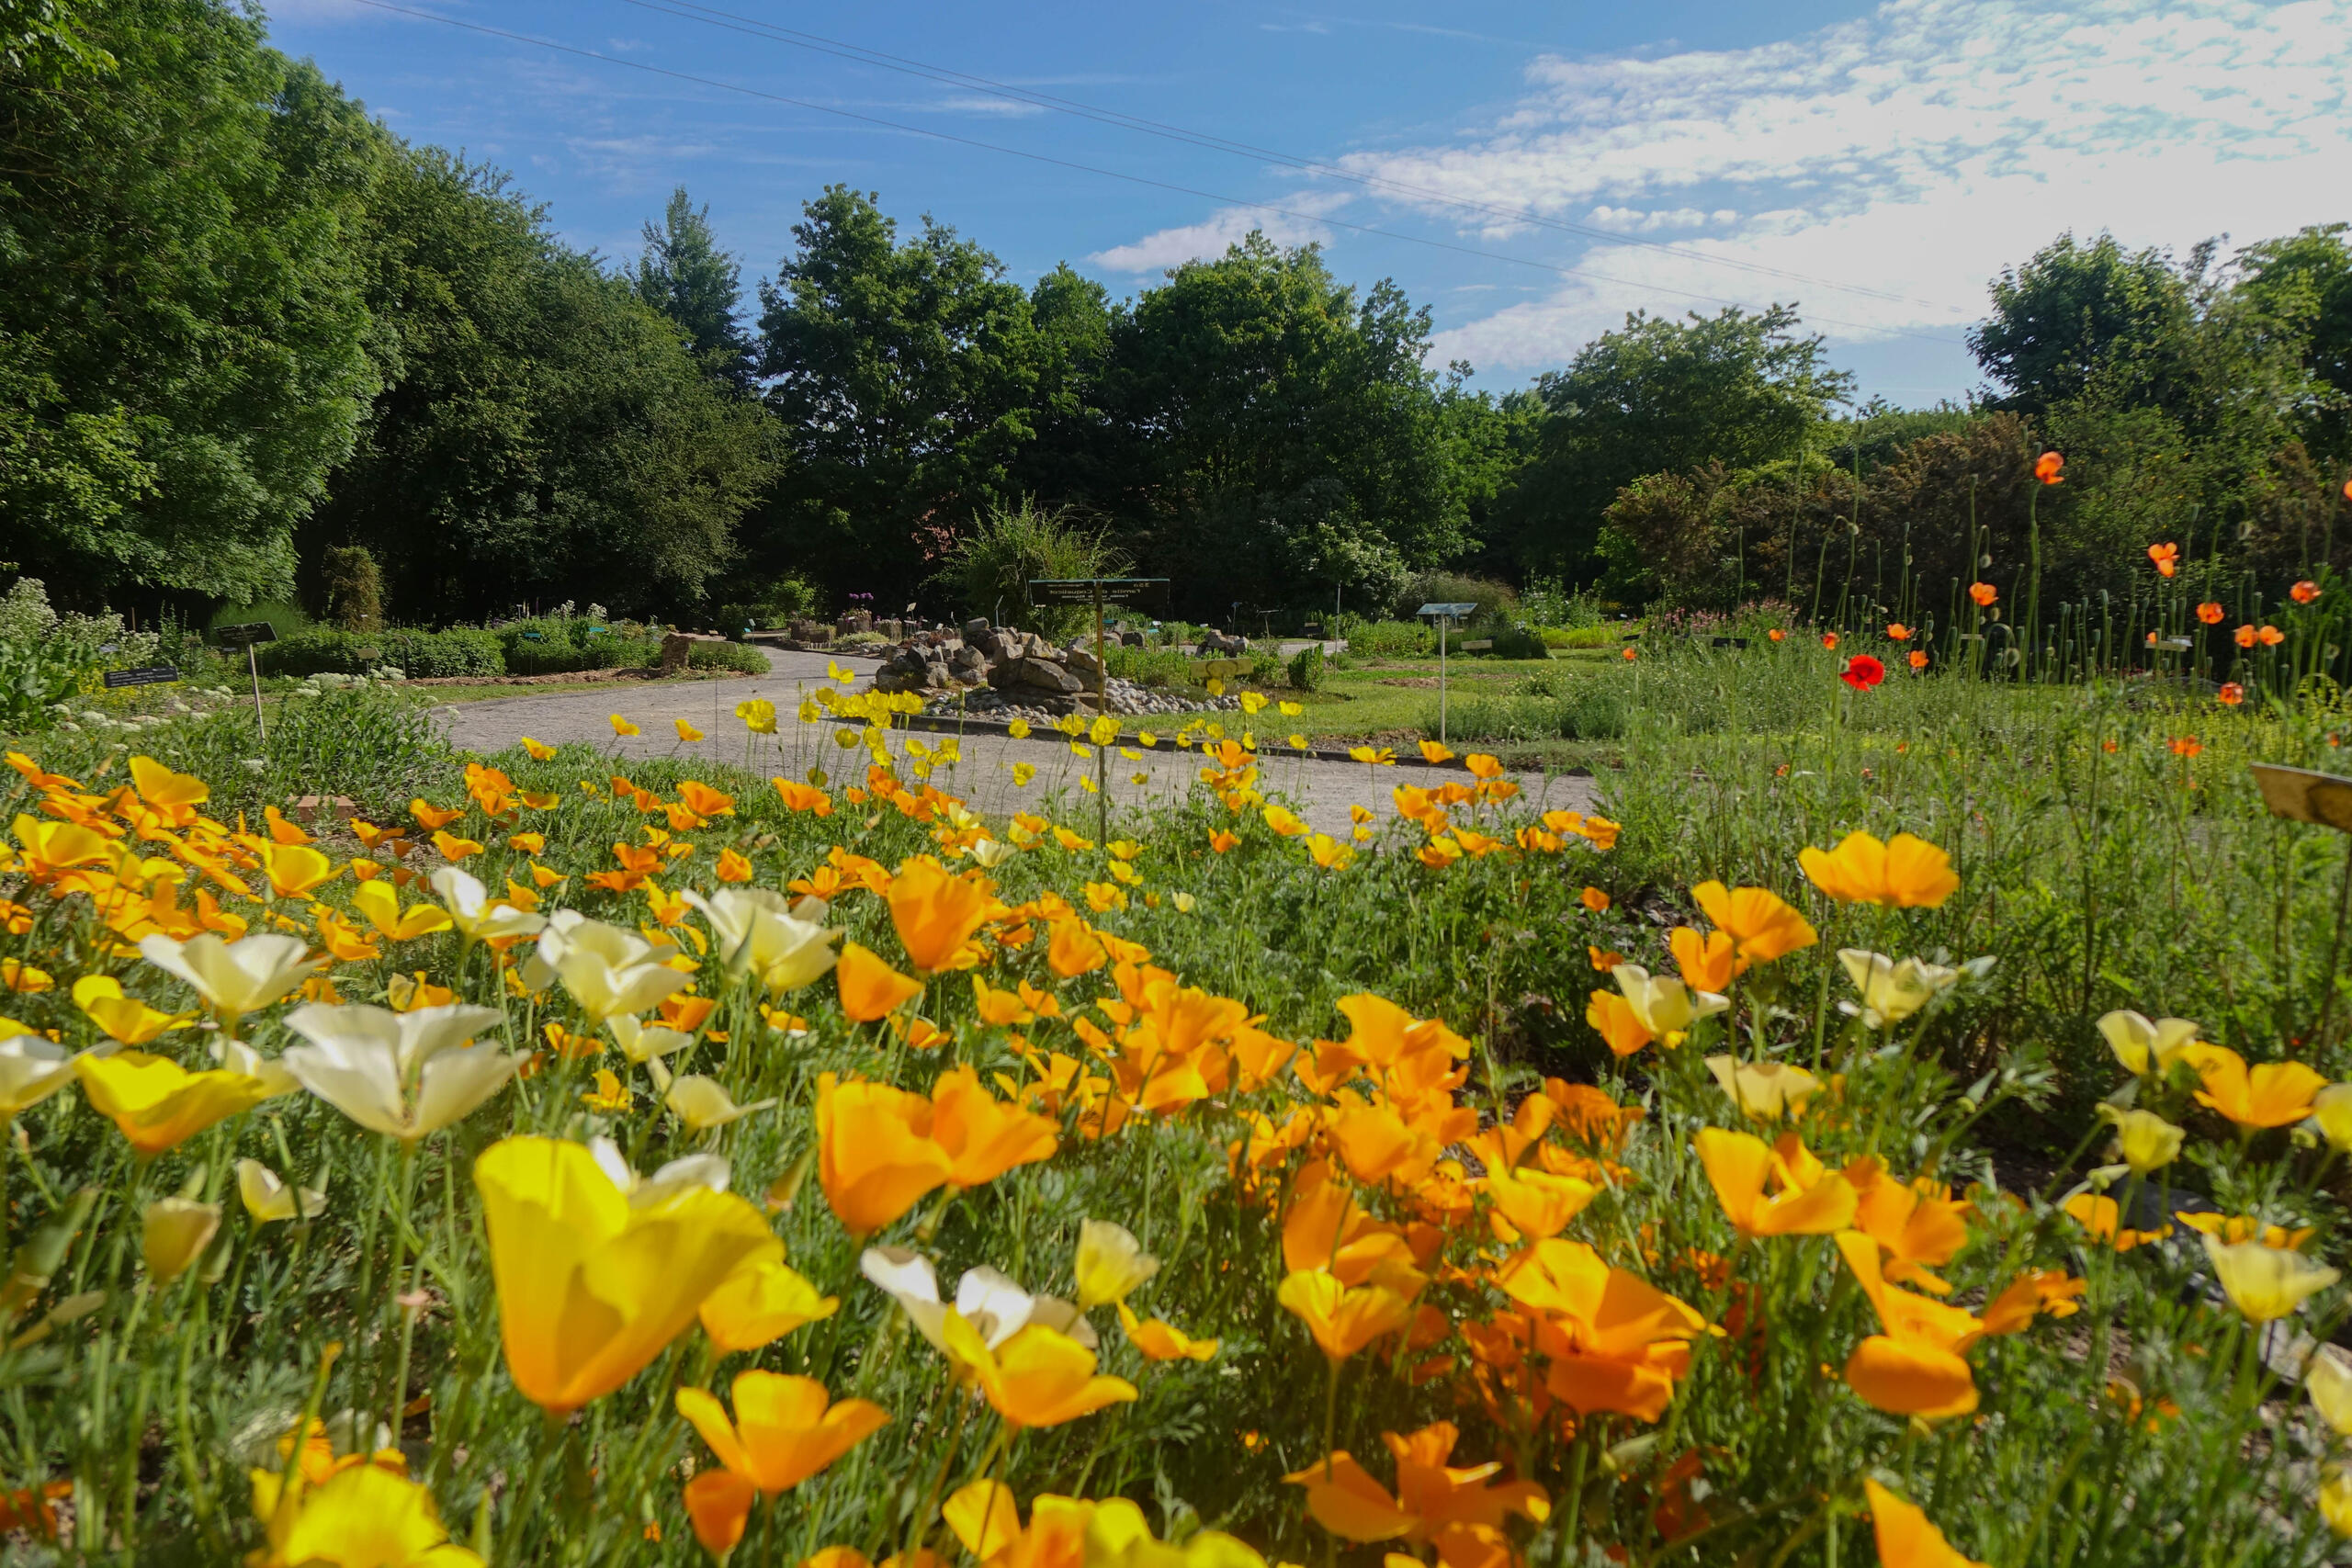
{"x": 1227, "y": 226}
{"x": 1911, "y": 152}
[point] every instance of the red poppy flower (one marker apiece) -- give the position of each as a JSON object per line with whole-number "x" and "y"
{"x": 2303, "y": 593}
{"x": 1862, "y": 673}
{"x": 2231, "y": 694}
{"x": 2046, "y": 467}
{"x": 2210, "y": 613}
{"x": 2166, "y": 557}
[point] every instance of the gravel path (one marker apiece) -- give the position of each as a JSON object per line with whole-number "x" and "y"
{"x": 984, "y": 775}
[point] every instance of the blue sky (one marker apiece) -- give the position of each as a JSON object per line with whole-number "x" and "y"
{"x": 1530, "y": 172}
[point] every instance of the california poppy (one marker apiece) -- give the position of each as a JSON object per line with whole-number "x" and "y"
{"x": 1906, "y": 872}
{"x": 869, "y": 988}
{"x": 1862, "y": 673}
{"x": 935, "y": 911}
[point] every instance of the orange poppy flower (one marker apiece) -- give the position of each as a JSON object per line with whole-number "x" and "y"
{"x": 1983, "y": 593}
{"x": 2166, "y": 558}
{"x": 1776, "y": 634}
{"x": 1829, "y": 639}
{"x": 876, "y": 1159}
{"x": 2046, "y": 467}
{"x": 1762, "y": 925}
{"x": 1343, "y": 1319}
{"x": 1918, "y": 659}
{"x": 2276, "y": 1094}
{"x": 2244, "y": 636}
{"x": 869, "y": 988}
{"x": 2211, "y": 612}
{"x": 2188, "y": 746}
{"x": 1906, "y": 1538}
{"x": 1738, "y": 1165}
{"x": 2269, "y": 635}
{"x": 1898, "y": 632}
{"x": 2303, "y": 593}
{"x": 1628, "y": 655}
{"x": 935, "y": 911}
{"x": 2231, "y": 694}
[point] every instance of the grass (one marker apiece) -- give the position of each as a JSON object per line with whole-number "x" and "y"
{"x": 2130, "y": 1418}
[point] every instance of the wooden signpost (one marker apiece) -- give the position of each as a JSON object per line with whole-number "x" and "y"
{"x": 2299, "y": 794}
{"x": 248, "y": 636}
{"x": 1097, "y": 591}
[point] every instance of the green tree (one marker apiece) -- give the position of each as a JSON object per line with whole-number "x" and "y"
{"x": 905, "y": 375}
{"x": 684, "y": 275}
{"x": 1286, "y": 438}
{"x": 2306, "y": 279}
{"x": 1739, "y": 387}
{"x": 181, "y": 339}
{"x": 542, "y": 433}
{"x": 2072, "y": 309}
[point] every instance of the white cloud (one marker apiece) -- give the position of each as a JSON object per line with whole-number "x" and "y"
{"x": 1227, "y": 226}
{"x": 982, "y": 104}
{"x": 1909, "y": 154}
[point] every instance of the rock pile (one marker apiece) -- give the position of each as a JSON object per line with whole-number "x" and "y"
{"x": 998, "y": 670}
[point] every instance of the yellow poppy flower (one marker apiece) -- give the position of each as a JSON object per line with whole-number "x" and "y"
{"x": 1904, "y": 872}
{"x": 590, "y": 1287}
{"x": 159, "y": 1104}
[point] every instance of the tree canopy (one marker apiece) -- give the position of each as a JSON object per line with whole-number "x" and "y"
{"x": 248, "y": 327}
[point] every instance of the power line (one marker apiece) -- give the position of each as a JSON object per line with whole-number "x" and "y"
{"x": 689, "y": 10}
{"x": 653, "y": 70}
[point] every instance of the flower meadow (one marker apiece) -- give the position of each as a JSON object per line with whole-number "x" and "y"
{"x": 579, "y": 1163}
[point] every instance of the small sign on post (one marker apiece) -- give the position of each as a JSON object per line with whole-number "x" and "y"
{"x": 248, "y": 635}
{"x": 1098, "y": 592}
{"x": 1443, "y": 616}
{"x": 2301, "y": 795}
{"x": 149, "y": 675}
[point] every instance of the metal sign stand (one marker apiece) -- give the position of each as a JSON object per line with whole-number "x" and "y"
{"x": 248, "y": 636}
{"x": 1083, "y": 590}
{"x": 1443, "y": 616}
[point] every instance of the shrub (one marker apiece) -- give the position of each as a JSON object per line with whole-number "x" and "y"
{"x": 1151, "y": 666}
{"x": 1519, "y": 642}
{"x": 740, "y": 657}
{"x": 1306, "y": 668}
{"x": 755, "y": 607}
{"x": 557, "y": 645}
{"x": 1495, "y": 599}
{"x": 353, "y": 588}
{"x": 1389, "y": 640}
{"x": 989, "y": 570}
{"x": 422, "y": 655}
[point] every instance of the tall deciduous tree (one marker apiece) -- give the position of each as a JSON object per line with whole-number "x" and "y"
{"x": 1290, "y": 435}
{"x": 2070, "y": 309}
{"x": 905, "y": 376}
{"x": 1739, "y": 387}
{"x": 683, "y": 274}
{"x": 181, "y": 338}
{"x": 542, "y": 434}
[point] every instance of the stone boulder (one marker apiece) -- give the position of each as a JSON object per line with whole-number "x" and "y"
{"x": 1035, "y": 674}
